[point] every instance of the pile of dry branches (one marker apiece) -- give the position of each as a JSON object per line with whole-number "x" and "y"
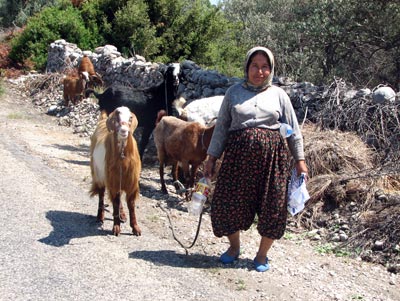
{"x": 378, "y": 125}
{"x": 347, "y": 177}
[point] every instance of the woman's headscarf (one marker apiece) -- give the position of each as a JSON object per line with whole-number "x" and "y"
{"x": 268, "y": 81}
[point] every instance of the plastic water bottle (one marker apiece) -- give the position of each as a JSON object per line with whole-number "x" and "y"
{"x": 286, "y": 130}
{"x": 199, "y": 196}
{"x": 196, "y": 205}
{"x": 203, "y": 186}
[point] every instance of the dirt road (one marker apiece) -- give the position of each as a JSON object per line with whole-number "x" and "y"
{"x": 52, "y": 249}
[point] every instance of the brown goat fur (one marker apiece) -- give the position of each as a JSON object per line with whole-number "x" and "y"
{"x": 77, "y": 3}
{"x": 73, "y": 89}
{"x": 115, "y": 166}
{"x": 180, "y": 141}
{"x": 86, "y": 65}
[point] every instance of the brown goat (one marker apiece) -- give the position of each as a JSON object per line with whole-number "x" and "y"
{"x": 77, "y": 3}
{"x": 86, "y": 65}
{"x": 180, "y": 141}
{"x": 73, "y": 88}
{"x": 115, "y": 165}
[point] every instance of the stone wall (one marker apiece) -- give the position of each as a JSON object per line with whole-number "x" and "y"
{"x": 136, "y": 71}
{"x": 195, "y": 82}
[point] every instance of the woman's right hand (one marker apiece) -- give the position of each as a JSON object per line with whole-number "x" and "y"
{"x": 209, "y": 167}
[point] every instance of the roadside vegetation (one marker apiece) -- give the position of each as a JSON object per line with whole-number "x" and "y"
{"x": 313, "y": 41}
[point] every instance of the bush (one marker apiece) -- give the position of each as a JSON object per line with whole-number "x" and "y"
{"x": 52, "y": 24}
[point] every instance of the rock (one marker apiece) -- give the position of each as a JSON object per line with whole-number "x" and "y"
{"x": 383, "y": 95}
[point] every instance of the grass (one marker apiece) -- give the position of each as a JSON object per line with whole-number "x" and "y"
{"x": 215, "y": 271}
{"x": 294, "y": 236}
{"x": 153, "y": 218}
{"x": 241, "y": 285}
{"x": 2, "y": 90}
{"x": 331, "y": 249}
{"x": 15, "y": 116}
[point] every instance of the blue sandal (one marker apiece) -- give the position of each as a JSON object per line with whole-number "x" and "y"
{"x": 261, "y": 267}
{"x": 226, "y": 258}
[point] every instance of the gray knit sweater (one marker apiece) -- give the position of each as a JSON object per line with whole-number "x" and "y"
{"x": 242, "y": 108}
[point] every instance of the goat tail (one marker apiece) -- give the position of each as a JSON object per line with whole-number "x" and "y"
{"x": 96, "y": 190}
{"x": 160, "y": 115}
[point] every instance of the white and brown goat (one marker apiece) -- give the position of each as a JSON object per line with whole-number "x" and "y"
{"x": 115, "y": 165}
{"x": 181, "y": 141}
{"x": 86, "y": 67}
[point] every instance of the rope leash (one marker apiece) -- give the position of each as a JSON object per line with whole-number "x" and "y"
{"x": 173, "y": 232}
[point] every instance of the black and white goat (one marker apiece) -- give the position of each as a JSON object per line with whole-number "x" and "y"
{"x": 143, "y": 103}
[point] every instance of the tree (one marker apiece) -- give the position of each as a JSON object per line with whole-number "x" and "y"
{"x": 184, "y": 28}
{"x": 132, "y": 29}
{"x": 16, "y": 12}
{"x": 316, "y": 40}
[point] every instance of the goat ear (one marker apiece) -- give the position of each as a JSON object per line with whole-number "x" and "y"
{"x": 110, "y": 123}
{"x": 134, "y": 122}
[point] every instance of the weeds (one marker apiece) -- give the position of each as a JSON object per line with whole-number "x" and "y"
{"x": 14, "y": 115}
{"x": 241, "y": 285}
{"x": 331, "y": 249}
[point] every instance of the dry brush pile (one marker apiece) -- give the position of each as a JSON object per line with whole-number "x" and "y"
{"x": 352, "y": 152}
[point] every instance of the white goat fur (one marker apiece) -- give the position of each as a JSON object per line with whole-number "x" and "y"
{"x": 202, "y": 110}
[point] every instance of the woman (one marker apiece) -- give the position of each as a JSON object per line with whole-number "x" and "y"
{"x": 254, "y": 173}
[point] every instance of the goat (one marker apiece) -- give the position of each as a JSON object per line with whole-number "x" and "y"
{"x": 73, "y": 88}
{"x": 176, "y": 141}
{"x": 143, "y": 103}
{"x": 202, "y": 110}
{"x": 115, "y": 165}
{"x": 77, "y": 3}
{"x": 93, "y": 78}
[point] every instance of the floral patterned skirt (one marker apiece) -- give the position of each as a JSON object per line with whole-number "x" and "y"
{"x": 252, "y": 181}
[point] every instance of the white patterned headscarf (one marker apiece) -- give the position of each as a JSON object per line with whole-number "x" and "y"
{"x": 268, "y": 81}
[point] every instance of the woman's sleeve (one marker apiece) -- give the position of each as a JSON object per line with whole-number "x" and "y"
{"x": 220, "y": 134}
{"x": 295, "y": 141}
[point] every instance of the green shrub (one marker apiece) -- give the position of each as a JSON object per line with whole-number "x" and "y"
{"x": 52, "y": 24}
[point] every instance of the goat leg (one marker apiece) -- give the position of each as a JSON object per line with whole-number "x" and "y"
{"x": 100, "y": 210}
{"x": 163, "y": 187}
{"x": 122, "y": 214}
{"x": 144, "y": 140}
{"x": 132, "y": 215}
{"x": 117, "y": 220}
{"x": 193, "y": 173}
{"x": 179, "y": 187}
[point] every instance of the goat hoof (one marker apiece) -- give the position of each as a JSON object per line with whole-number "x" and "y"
{"x": 136, "y": 231}
{"x": 116, "y": 230}
{"x": 100, "y": 219}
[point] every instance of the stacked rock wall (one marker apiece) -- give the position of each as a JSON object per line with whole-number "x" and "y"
{"x": 195, "y": 82}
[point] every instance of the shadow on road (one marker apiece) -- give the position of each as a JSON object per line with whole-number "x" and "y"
{"x": 174, "y": 259}
{"x": 70, "y": 225}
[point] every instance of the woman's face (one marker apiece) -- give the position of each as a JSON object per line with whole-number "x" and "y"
{"x": 259, "y": 69}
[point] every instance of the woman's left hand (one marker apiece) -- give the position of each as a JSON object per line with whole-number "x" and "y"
{"x": 301, "y": 167}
